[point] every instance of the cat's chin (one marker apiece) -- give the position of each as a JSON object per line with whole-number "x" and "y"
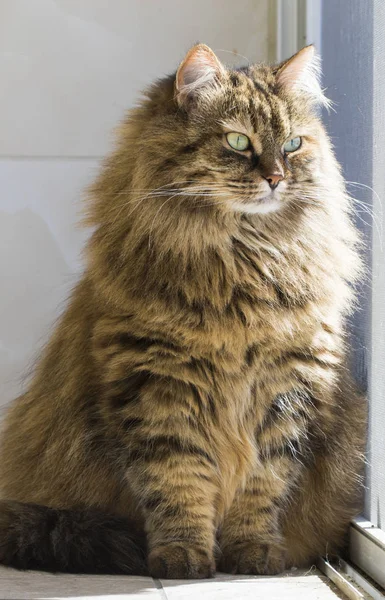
{"x": 268, "y": 204}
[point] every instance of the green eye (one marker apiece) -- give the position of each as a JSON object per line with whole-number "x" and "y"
{"x": 238, "y": 141}
{"x": 292, "y": 145}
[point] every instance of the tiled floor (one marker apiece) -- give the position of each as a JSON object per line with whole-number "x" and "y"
{"x": 15, "y": 585}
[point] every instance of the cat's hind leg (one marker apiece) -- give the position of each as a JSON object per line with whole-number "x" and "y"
{"x": 329, "y": 492}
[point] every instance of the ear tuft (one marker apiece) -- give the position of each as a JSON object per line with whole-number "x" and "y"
{"x": 199, "y": 71}
{"x": 302, "y": 73}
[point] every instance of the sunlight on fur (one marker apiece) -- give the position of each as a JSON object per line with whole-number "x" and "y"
{"x": 193, "y": 409}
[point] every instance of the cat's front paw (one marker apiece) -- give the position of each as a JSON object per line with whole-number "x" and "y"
{"x": 252, "y": 558}
{"x": 178, "y": 561}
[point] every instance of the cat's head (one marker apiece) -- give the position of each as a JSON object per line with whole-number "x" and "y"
{"x": 210, "y": 138}
{"x": 211, "y": 154}
{"x": 247, "y": 139}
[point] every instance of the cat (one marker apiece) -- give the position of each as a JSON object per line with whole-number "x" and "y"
{"x": 193, "y": 409}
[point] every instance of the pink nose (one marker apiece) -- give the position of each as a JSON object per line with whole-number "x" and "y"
{"x": 274, "y": 179}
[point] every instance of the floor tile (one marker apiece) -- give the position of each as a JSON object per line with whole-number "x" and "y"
{"x": 310, "y": 586}
{"x": 32, "y": 585}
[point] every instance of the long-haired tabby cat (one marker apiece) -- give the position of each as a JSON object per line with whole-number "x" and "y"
{"x": 193, "y": 409}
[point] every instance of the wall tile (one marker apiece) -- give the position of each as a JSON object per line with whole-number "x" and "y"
{"x": 70, "y": 68}
{"x": 39, "y": 255}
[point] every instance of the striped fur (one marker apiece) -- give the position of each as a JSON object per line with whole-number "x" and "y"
{"x": 197, "y": 384}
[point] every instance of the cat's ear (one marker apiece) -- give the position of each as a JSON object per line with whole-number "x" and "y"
{"x": 199, "y": 73}
{"x": 302, "y": 73}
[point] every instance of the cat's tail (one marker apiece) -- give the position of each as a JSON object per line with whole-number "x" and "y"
{"x": 72, "y": 541}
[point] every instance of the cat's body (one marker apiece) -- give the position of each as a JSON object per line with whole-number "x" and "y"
{"x": 197, "y": 384}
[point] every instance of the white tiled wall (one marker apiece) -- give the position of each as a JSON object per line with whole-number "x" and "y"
{"x": 70, "y": 67}
{"x": 68, "y": 70}
{"x": 39, "y": 255}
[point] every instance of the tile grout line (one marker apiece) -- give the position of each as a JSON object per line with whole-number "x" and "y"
{"x": 51, "y": 157}
{"x": 159, "y": 586}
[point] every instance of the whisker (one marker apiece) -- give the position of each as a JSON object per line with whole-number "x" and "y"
{"x": 159, "y": 192}
{"x": 131, "y": 200}
{"x": 363, "y": 185}
{"x": 133, "y": 190}
{"x": 364, "y": 206}
{"x": 376, "y": 221}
